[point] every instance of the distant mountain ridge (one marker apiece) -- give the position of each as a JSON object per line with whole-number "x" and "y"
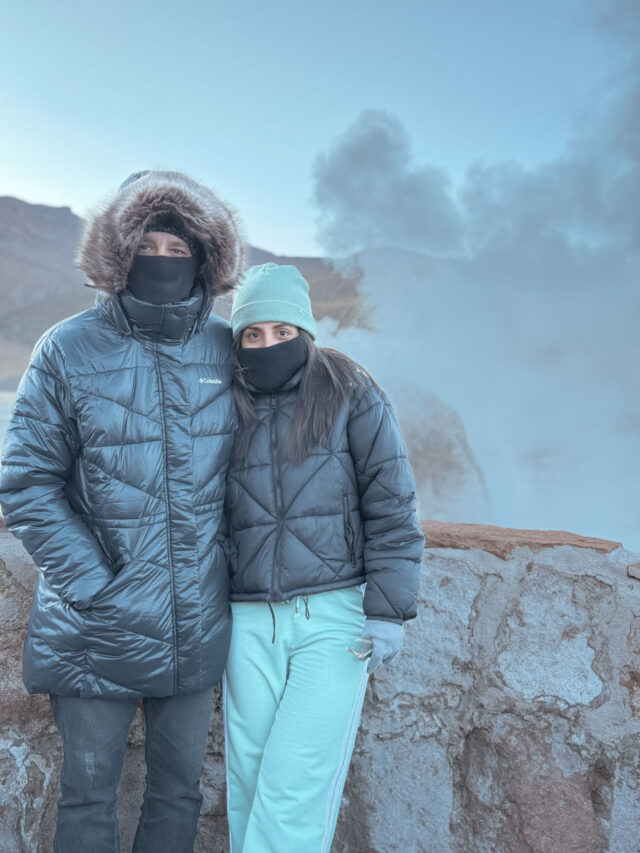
{"x": 40, "y": 285}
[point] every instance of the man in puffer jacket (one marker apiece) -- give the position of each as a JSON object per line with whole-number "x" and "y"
{"x": 113, "y": 476}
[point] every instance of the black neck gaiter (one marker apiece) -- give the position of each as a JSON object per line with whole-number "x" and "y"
{"x": 161, "y": 280}
{"x": 269, "y": 368}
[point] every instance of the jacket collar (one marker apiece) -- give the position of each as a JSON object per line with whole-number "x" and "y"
{"x": 169, "y": 324}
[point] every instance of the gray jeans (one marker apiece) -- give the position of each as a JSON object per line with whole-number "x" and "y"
{"x": 94, "y": 736}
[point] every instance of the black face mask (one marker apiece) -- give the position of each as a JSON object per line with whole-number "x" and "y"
{"x": 269, "y": 368}
{"x": 161, "y": 280}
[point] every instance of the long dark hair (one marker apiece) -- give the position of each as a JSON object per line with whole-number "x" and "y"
{"x": 329, "y": 377}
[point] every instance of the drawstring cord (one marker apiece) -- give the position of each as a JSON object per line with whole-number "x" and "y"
{"x": 273, "y": 617}
{"x": 305, "y": 599}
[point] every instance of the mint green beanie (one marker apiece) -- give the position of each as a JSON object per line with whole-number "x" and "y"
{"x": 272, "y": 293}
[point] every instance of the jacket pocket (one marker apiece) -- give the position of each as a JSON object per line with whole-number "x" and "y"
{"x": 230, "y": 553}
{"x": 348, "y": 531}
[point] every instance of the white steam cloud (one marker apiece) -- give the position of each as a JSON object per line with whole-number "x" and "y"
{"x": 514, "y": 297}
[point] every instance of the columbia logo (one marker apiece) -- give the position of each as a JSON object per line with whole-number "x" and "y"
{"x": 204, "y": 381}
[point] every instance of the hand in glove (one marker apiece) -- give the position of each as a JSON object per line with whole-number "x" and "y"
{"x": 387, "y": 640}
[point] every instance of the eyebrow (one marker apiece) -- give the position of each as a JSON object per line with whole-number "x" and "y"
{"x": 275, "y": 326}
{"x": 173, "y": 239}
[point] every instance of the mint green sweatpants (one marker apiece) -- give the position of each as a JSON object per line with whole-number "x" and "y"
{"x": 292, "y": 710}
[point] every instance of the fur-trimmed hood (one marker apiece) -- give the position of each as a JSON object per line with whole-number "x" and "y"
{"x": 113, "y": 232}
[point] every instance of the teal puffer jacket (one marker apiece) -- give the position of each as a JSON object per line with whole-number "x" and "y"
{"x": 345, "y": 515}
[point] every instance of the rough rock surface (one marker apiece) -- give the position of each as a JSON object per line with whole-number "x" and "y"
{"x": 449, "y": 481}
{"x": 509, "y": 724}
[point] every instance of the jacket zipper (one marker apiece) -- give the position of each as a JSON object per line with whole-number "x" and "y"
{"x": 348, "y": 531}
{"x": 277, "y": 488}
{"x": 165, "y": 479}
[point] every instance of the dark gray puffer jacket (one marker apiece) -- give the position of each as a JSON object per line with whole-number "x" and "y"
{"x": 113, "y": 477}
{"x": 345, "y": 515}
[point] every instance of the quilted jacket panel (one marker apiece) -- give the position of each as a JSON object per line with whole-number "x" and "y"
{"x": 344, "y": 516}
{"x": 113, "y": 476}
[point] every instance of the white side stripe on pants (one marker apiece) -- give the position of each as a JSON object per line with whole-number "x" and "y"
{"x": 334, "y": 794}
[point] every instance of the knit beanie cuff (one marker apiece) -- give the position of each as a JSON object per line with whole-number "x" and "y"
{"x": 269, "y": 311}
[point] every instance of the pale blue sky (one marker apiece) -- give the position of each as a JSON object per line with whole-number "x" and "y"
{"x": 244, "y": 95}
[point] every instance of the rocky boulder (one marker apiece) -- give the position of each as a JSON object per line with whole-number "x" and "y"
{"x": 509, "y": 723}
{"x": 449, "y": 481}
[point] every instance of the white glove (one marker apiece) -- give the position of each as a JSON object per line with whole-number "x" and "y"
{"x": 387, "y": 638}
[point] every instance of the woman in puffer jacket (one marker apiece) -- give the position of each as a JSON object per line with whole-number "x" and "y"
{"x": 325, "y": 548}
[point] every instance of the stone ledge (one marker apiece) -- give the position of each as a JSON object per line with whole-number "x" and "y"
{"x": 501, "y": 541}
{"x": 509, "y": 722}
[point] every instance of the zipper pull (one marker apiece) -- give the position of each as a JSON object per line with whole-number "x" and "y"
{"x": 305, "y": 598}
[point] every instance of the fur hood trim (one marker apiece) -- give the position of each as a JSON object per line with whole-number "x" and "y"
{"x": 113, "y": 232}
